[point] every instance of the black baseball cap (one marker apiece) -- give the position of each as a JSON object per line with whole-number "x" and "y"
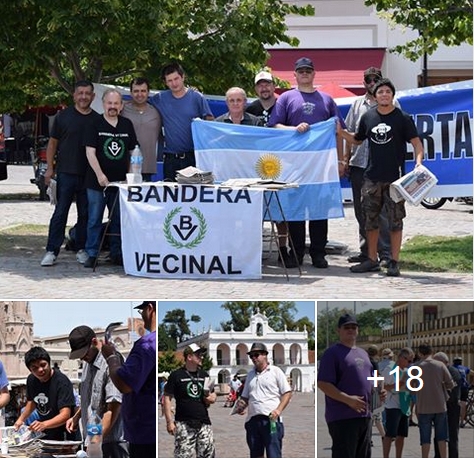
{"x": 145, "y": 304}
{"x": 80, "y": 341}
{"x": 304, "y": 63}
{"x": 347, "y": 319}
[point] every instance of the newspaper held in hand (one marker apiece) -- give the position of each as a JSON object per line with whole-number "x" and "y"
{"x": 239, "y": 406}
{"x": 376, "y": 405}
{"x": 208, "y": 386}
{"x": 414, "y": 186}
{"x": 51, "y": 192}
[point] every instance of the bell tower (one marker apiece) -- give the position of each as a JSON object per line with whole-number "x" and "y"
{"x": 16, "y": 336}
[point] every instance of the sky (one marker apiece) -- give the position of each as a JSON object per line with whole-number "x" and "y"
{"x": 60, "y": 317}
{"x": 212, "y": 314}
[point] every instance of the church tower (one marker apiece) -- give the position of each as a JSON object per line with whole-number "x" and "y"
{"x": 16, "y": 337}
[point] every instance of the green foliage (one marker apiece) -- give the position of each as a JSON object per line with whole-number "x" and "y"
{"x": 437, "y": 254}
{"x": 46, "y": 46}
{"x": 165, "y": 341}
{"x": 371, "y": 322}
{"x": 175, "y": 327}
{"x": 168, "y": 362}
{"x": 437, "y": 21}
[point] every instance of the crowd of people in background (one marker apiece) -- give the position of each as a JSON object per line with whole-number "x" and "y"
{"x": 420, "y": 383}
{"x": 121, "y": 392}
{"x": 88, "y": 151}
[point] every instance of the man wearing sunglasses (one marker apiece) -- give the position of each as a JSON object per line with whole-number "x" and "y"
{"x": 356, "y": 159}
{"x": 342, "y": 376}
{"x": 191, "y": 425}
{"x": 266, "y": 394}
{"x": 397, "y": 404}
{"x": 98, "y": 392}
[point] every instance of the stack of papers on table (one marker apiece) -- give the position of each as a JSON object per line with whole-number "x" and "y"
{"x": 193, "y": 175}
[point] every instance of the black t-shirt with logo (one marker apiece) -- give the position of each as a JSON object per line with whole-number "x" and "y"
{"x": 112, "y": 147}
{"x": 50, "y": 397}
{"x": 388, "y": 136}
{"x": 187, "y": 388}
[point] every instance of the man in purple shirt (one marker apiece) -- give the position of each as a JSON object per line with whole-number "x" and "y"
{"x": 136, "y": 379}
{"x": 298, "y": 109}
{"x": 342, "y": 376}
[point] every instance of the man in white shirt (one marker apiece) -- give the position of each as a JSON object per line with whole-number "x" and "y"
{"x": 266, "y": 394}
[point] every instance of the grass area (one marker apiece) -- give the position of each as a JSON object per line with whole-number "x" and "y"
{"x": 437, "y": 254}
{"x": 23, "y": 239}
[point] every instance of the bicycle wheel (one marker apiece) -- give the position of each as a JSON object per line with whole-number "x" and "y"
{"x": 433, "y": 203}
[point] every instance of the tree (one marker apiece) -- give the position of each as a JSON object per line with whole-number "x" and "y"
{"x": 168, "y": 362}
{"x": 46, "y": 46}
{"x": 176, "y": 325}
{"x": 165, "y": 341}
{"x": 371, "y": 322}
{"x": 437, "y": 21}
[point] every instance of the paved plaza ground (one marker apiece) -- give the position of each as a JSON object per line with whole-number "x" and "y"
{"x": 22, "y": 277}
{"x": 411, "y": 448}
{"x": 229, "y": 431}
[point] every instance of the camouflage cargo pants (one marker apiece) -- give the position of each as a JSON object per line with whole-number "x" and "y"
{"x": 193, "y": 437}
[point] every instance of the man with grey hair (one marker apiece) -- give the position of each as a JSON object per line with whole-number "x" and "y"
{"x": 431, "y": 400}
{"x": 236, "y": 100}
{"x": 108, "y": 144}
{"x": 453, "y": 408}
{"x": 397, "y": 404}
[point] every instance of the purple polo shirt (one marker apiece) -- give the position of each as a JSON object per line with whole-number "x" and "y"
{"x": 139, "y": 406}
{"x": 347, "y": 368}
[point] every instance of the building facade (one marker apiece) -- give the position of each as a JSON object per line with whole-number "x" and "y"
{"x": 343, "y": 34}
{"x": 228, "y": 351}
{"x": 448, "y": 326}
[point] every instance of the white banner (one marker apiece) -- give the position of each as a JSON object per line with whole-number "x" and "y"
{"x": 191, "y": 231}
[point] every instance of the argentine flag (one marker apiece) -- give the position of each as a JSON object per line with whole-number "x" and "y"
{"x": 233, "y": 151}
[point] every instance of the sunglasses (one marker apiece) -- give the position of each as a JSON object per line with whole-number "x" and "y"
{"x": 369, "y": 80}
{"x": 255, "y": 354}
{"x": 304, "y": 71}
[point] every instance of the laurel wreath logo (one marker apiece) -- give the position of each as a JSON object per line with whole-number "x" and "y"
{"x": 196, "y": 241}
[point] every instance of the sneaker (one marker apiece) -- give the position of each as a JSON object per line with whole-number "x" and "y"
{"x": 384, "y": 262}
{"x": 81, "y": 256}
{"x": 393, "y": 269}
{"x": 366, "y": 266}
{"x": 49, "y": 259}
{"x": 320, "y": 262}
{"x": 90, "y": 262}
{"x": 359, "y": 258}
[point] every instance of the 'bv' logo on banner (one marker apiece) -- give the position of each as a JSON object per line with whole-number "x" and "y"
{"x": 185, "y": 228}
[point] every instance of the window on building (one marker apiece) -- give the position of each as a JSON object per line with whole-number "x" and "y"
{"x": 259, "y": 329}
{"x": 430, "y": 313}
{"x": 219, "y": 356}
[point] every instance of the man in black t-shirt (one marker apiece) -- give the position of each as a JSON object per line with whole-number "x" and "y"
{"x": 66, "y": 147}
{"x": 388, "y": 131}
{"x": 50, "y": 393}
{"x": 108, "y": 144}
{"x": 191, "y": 427}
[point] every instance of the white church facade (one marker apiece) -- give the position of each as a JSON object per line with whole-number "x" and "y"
{"x": 228, "y": 351}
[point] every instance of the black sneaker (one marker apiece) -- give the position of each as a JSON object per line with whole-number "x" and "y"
{"x": 90, "y": 262}
{"x": 384, "y": 262}
{"x": 359, "y": 258}
{"x": 366, "y": 266}
{"x": 393, "y": 268}
{"x": 320, "y": 262}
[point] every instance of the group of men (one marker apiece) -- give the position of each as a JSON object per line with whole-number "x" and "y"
{"x": 266, "y": 393}
{"x": 343, "y": 375}
{"x": 376, "y": 126}
{"x": 121, "y": 392}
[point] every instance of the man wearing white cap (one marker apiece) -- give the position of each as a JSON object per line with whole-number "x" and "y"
{"x": 265, "y": 90}
{"x": 191, "y": 426}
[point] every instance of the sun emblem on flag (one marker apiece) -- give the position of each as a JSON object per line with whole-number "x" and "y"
{"x": 268, "y": 166}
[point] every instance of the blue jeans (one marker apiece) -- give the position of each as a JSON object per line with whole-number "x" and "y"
{"x": 260, "y": 439}
{"x": 440, "y": 421}
{"x": 68, "y": 186}
{"x": 98, "y": 200}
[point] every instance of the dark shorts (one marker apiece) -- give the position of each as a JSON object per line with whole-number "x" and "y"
{"x": 396, "y": 423}
{"x": 374, "y": 196}
{"x": 464, "y": 394}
